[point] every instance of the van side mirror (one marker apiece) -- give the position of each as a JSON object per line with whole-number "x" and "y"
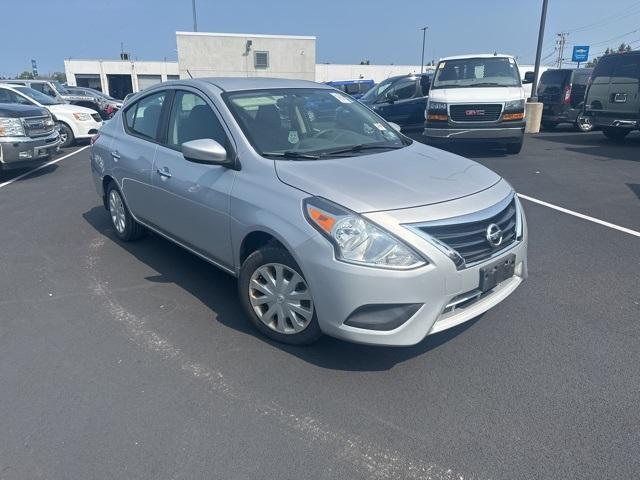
{"x": 205, "y": 150}
{"x": 528, "y": 78}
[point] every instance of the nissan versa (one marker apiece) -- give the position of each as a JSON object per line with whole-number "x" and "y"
{"x": 333, "y": 224}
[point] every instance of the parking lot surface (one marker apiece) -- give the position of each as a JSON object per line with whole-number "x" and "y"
{"x": 134, "y": 360}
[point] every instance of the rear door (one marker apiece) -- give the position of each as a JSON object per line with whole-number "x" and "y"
{"x": 624, "y": 102}
{"x": 551, "y": 89}
{"x": 598, "y": 92}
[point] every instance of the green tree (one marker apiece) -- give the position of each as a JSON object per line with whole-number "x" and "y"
{"x": 26, "y": 75}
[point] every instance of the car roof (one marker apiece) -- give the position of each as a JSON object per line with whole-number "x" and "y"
{"x": 479, "y": 55}
{"x": 235, "y": 84}
{"x": 17, "y": 80}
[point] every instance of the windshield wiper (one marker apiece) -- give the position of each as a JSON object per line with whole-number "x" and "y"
{"x": 363, "y": 146}
{"x": 291, "y": 154}
{"x": 486, "y": 84}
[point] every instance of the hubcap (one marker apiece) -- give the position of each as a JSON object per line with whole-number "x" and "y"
{"x": 116, "y": 209}
{"x": 280, "y": 298}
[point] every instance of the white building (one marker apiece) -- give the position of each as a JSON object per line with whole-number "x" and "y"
{"x": 118, "y": 77}
{"x": 203, "y": 54}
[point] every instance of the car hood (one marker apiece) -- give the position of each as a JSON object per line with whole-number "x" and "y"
{"x": 412, "y": 176}
{"x": 475, "y": 95}
{"x": 67, "y": 108}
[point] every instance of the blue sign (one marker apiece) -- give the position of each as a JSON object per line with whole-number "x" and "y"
{"x": 580, "y": 53}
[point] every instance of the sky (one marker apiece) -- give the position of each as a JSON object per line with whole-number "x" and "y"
{"x": 347, "y": 32}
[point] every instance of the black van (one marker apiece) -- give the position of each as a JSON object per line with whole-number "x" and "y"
{"x": 401, "y": 100}
{"x": 612, "y": 101}
{"x": 561, "y": 91}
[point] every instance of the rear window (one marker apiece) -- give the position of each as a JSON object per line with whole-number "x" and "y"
{"x": 554, "y": 77}
{"x": 604, "y": 69}
{"x": 627, "y": 68}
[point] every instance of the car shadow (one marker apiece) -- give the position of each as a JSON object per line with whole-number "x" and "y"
{"x": 8, "y": 175}
{"x": 217, "y": 290}
{"x": 597, "y": 145}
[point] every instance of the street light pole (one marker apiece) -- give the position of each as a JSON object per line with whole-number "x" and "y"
{"x": 195, "y": 18}
{"x": 424, "y": 38}
{"x": 536, "y": 70}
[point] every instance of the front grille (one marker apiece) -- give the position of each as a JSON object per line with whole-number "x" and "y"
{"x": 38, "y": 126}
{"x": 470, "y": 239}
{"x": 481, "y": 112}
{"x": 96, "y": 117}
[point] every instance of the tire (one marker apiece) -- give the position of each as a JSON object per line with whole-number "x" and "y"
{"x": 126, "y": 227}
{"x": 66, "y": 135}
{"x": 613, "y": 133}
{"x": 549, "y": 126}
{"x": 514, "y": 148}
{"x": 585, "y": 127}
{"x": 279, "y": 321}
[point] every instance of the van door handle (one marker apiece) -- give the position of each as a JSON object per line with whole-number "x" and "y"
{"x": 115, "y": 155}
{"x": 164, "y": 172}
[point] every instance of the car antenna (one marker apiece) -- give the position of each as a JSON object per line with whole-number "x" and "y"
{"x": 190, "y": 76}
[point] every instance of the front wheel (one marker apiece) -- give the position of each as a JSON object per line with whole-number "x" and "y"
{"x": 66, "y": 135}
{"x": 514, "y": 148}
{"x": 584, "y": 124}
{"x": 613, "y": 133}
{"x": 277, "y": 298}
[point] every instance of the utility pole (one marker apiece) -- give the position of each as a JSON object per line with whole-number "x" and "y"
{"x": 195, "y": 18}
{"x": 536, "y": 70}
{"x": 562, "y": 38}
{"x": 424, "y": 38}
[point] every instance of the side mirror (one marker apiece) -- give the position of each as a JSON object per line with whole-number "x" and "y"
{"x": 205, "y": 150}
{"x": 528, "y": 78}
{"x": 395, "y": 126}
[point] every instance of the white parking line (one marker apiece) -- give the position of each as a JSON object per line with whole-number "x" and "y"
{"x": 581, "y": 215}
{"x": 9, "y": 182}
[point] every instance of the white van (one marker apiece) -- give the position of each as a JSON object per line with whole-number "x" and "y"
{"x": 476, "y": 98}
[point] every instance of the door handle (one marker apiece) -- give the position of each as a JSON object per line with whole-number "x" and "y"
{"x": 115, "y": 155}
{"x": 164, "y": 172}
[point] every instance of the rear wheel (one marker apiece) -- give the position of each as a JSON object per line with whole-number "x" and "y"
{"x": 66, "y": 135}
{"x": 514, "y": 148}
{"x": 614, "y": 133}
{"x": 277, "y": 298}
{"x": 126, "y": 227}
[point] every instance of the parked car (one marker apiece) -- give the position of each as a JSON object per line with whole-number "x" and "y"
{"x": 476, "y": 98}
{"x": 401, "y": 100}
{"x": 73, "y": 122}
{"x": 107, "y": 105}
{"x": 27, "y": 136}
{"x": 612, "y": 101}
{"x": 561, "y": 91}
{"x": 55, "y": 89}
{"x": 344, "y": 227}
{"x": 355, "y": 88}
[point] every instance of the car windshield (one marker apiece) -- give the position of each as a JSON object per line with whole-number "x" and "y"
{"x": 477, "y": 72}
{"x": 39, "y": 97}
{"x": 377, "y": 90}
{"x": 310, "y": 123}
{"x": 61, "y": 88}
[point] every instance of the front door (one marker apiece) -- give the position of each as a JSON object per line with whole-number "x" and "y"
{"x": 403, "y": 104}
{"x": 191, "y": 200}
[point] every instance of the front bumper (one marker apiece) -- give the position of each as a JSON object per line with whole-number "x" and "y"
{"x": 508, "y": 134}
{"x": 21, "y": 152}
{"x": 87, "y": 129}
{"x": 340, "y": 289}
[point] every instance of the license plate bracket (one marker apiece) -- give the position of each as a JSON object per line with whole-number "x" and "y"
{"x": 497, "y": 272}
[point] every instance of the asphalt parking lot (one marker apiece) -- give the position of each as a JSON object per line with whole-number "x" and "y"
{"x": 134, "y": 361}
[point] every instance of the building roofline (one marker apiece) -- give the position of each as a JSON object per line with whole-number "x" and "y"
{"x": 244, "y": 35}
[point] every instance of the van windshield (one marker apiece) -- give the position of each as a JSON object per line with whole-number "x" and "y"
{"x": 477, "y": 72}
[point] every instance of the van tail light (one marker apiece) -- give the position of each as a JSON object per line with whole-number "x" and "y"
{"x": 95, "y": 138}
{"x": 567, "y": 95}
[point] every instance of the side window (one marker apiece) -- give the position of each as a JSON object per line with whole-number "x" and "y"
{"x": 192, "y": 119}
{"x": 47, "y": 90}
{"x": 404, "y": 89}
{"x": 38, "y": 86}
{"x": 143, "y": 117}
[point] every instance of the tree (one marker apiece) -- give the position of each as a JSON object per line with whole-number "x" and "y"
{"x": 365, "y": 62}
{"x": 59, "y": 76}
{"x": 26, "y": 75}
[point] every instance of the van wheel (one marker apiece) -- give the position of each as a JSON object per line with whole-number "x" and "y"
{"x": 126, "y": 227}
{"x": 583, "y": 125}
{"x": 277, "y": 298}
{"x": 66, "y": 135}
{"x": 613, "y": 133}
{"x": 514, "y": 148}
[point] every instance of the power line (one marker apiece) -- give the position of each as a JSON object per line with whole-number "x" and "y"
{"x": 609, "y": 19}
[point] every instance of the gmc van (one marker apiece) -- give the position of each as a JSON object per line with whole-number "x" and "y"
{"x": 476, "y": 98}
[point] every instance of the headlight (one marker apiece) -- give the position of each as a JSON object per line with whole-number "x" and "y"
{"x": 436, "y": 106}
{"x": 514, "y": 105}
{"x": 83, "y": 117}
{"x": 356, "y": 240}
{"x": 11, "y": 127}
